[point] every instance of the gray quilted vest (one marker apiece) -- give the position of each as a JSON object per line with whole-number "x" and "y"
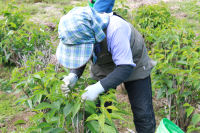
{"x": 105, "y": 65}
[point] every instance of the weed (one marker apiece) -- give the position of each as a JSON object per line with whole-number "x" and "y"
{"x": 8, "y": 108}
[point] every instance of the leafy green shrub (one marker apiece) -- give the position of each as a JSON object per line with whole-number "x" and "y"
{"x": 122, "y": 9}
{"x": 177, "y": 73}
{"x": 152, "y": 21}
{"x": 176, "y": 76}
{"x": 154, "y": 16}
{"x": 54, "y": 111}
{"x": 18, "y": 38}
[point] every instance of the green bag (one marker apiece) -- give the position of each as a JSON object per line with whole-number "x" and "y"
{"x": 167, "y": 126}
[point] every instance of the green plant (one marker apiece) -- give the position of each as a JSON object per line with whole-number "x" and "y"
{"x": 154, "y": 16}
{"x": 54, "y": 111}
{"x": 18, "y": 38}
{"x": 8, "y": 108}
{"x": 5, "y": 78}
{"x": 176, "y": 76}
{"x": 152, "y": 21}
{"x": 122, "y": 9}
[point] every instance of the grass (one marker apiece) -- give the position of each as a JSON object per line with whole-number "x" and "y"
{"x": 8, "y": 111}
{"x": 123, "y": 125}
{"x": 188, "y": 12}
{"x": 8, "y": 108}
{"x": 4, "y": 78}
{"x": 44, "y": 1}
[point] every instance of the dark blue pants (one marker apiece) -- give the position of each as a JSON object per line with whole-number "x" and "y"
{"x": 140, "y": 97}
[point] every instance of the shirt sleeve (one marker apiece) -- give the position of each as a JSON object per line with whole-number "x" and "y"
{"x": 118, "y": 40}
{"x": 78, "y": 71}
{"x": 116, "y": 77}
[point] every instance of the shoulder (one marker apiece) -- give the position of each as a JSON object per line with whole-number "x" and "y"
{"x": 118, "y": 32}
{"x": 116, "y": 23}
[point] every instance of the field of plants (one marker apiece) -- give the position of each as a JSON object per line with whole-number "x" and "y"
{"x": 30, "y": 78}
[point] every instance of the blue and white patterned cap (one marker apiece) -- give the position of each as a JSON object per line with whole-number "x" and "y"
{"x": 78, "y": 31}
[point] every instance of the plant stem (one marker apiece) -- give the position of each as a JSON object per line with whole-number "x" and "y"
{"x": 83, "y": 122}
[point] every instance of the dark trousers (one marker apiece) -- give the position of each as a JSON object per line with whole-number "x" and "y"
{"x": 140, "y": 97}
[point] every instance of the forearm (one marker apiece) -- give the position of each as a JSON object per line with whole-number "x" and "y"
{"x": 78, "y": 71}
{"x": 119, "y": 75}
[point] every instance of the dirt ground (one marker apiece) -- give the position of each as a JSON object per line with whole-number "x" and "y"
{"x": 136, "y": 3}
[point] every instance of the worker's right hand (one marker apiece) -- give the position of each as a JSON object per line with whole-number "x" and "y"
{"x": 69, "y": 82}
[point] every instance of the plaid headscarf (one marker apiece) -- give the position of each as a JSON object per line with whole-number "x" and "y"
{"x": 78, "y": 31}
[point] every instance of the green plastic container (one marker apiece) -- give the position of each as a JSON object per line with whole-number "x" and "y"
{"x": 167, "y": 126}
{"x": 91, "y": 4}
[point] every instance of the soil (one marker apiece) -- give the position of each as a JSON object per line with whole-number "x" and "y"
{"x": 25, "y": 115}
{"x": 138, "y": 3}
{"x": 45, "y": 14}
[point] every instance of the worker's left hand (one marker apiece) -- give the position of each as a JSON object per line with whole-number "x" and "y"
{"x": 93, "y": 91}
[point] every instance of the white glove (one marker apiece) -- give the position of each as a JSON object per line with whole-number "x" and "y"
{"x": 70, "y": 81}
{"x": 93, "y": 91}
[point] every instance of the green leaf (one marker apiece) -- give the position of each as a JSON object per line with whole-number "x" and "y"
{"x": 37, "y": 76}
{"x": 93, "y": 117}
{"x": 196, "y": 119}
{"x": 101, "y": 121}
{"x": 169, "y": 83}
{"x": 93, "y": 126}
{"x": 57, "y": 130}
{"x": 20, "y": 101}
{"x": 90, "y": 107}
{"x": 107, "y": 114}
{"x": 30, "y": 103}
{"x": 43, "y": 125}
{"x": 161, "y": 93}
{"x": 43, "y": 105}
{"x": 124, "y": 112}
{"x": 45, "y": 130}
{"x": 67, "y": 109}
{"x": 189, "y": 111}
{"x": 53, "y": 119}
{"x": 186, "y": 105}
{"x": 18, "y": 122}
{"x": 112, "y": 107}
{"x": 117, "y": 116}
{"x": 13, "y": 24}
{"x": 56, "y": 105}
{"x": 51, "y": 113}
{"x": 109, "y": 129}
{"x": 182, "y": 62}
{"x": 76, "y": 109}
{"x": 171, "y": 91}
